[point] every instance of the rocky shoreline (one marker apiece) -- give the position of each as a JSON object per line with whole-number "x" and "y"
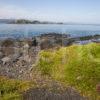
{"x": 17, "y": 57}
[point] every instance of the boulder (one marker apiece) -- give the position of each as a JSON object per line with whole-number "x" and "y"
{"x": 6, "y": 60}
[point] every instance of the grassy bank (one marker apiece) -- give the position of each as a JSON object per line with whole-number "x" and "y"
{"x": 77, "y": 66}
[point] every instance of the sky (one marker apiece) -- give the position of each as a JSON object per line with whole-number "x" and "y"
{"x": 78, "y": 11}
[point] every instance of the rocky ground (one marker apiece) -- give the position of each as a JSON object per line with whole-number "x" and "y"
{"x": 19, "y": 57}
{"x": 45, "y": 94}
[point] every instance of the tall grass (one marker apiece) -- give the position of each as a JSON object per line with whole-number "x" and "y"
{"x": 78, "y": 66}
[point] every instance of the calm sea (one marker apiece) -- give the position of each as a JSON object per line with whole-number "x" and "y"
{"x": 29, "y": 30}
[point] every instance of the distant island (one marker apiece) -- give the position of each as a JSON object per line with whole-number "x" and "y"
{"x": 25, "y": 21}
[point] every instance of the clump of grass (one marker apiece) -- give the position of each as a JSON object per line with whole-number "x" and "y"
{"x": 77, "y": 66}
{"x": 11, "y": 89}
{"x": 50, "y": 61}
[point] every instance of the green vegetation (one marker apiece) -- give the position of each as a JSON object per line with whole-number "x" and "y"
{"x": 77, "y": 66}
{"x": 11, "y": 89}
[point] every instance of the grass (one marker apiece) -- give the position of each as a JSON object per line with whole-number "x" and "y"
{"x": 11, "y": 89}
{"x": 77, "y": 66}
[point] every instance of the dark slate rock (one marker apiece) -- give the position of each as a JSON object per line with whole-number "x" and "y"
{"x": 45, "y": 94}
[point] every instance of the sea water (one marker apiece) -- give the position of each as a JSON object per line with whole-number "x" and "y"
{"x": 29, "y": 30}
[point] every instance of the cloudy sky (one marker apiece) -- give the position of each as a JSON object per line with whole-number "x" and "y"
{"x": 81, "y": 11}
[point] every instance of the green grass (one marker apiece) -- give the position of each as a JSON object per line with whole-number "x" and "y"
{"x": 77, "y": 66}
{"x": 11, "y": 89}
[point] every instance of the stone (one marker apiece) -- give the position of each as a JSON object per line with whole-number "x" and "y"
{"x": 98, "y": 88}
{"x": 5, "y": 60}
